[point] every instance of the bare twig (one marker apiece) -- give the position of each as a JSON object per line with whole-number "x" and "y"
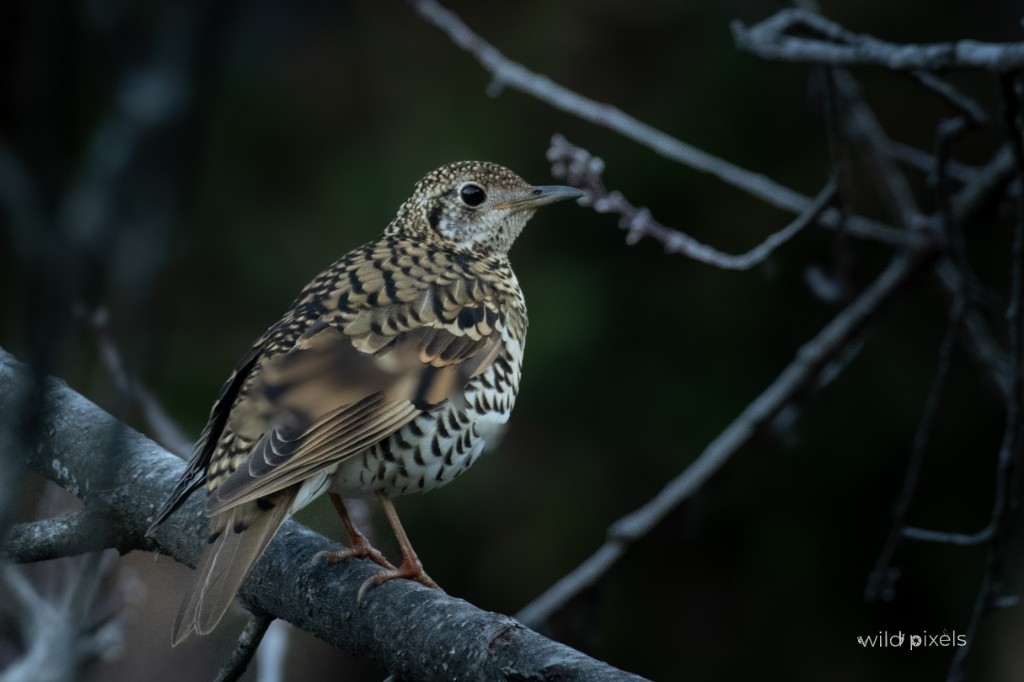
{"x": 810, "y": 359}
{"x": 977, "y": 338}
{"x": 862, "y": 129}
{"x": 880, "y": 582}
{"x": 862, "y": 126}
{"x": 507, "y": 73}
{"x": 67, "y": 634}
{"x": 996, "y": 179}
{"x": 770, "y": 40}
{"x": 165, "y": 430}
{"x": 945, "y": 134}
{"x": 579, "y": 168}
{"x": 248, "y": 642}
{"x": 942, "y": 537}
{"x": 958, "y": 100}
{"x": 981, "y": 186}
{"x": 1013, "y": 435}
{"x": 922, "y": 161}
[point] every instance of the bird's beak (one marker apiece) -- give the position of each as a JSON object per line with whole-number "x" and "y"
{"x": 541, "y": 195}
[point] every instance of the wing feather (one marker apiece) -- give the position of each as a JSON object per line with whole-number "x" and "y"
{"x": 344, "y": 387}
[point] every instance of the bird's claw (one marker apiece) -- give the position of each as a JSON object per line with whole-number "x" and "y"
{"x": 358, "y": 552}
{"x": 408, "y": 570}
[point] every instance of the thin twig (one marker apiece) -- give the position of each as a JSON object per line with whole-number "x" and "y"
{"x": 831, "y": 283}
{"x": 165, "y": 430}
{"x": 837, "y": 46}
{"x": 235, "y": 666}
{"x": 996, "y": 178}
{"x": 880, "y": 581}
{"x": 956, "y": 99}
{"x": 993, "y": 181}
{"x": 865, "y": 132}
{"x": 942, "y": 537}
{"x": 1013, "y": 434}
{"x": 64, "y": 634}
{"x": 507, "y": 73}
{"x": 863, "y": 126}
{"x": 922, "y": 161}
{"x": 578, "y": 167}
{"x": 945, "y": 134}
{"x": 977, "y": 338}
{"x": 802, "y": 372}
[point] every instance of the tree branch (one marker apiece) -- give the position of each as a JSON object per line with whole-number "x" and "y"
{"x": 248, "y": 642}
{"x": 165, "y": 430}
{"x": 416, "y": 632}
{"x": 63, "y": 634}
{"x": 811, "y": 359}
{"x": 507, "y": 73}
{"x": 68, "y": 534}
{"x": 880, "y": 581}
{"x": 980, "y": 187}
{"x": 839, "y": 47}
{"x": 578, "y": 167}
{"x": 1011, "y": 450}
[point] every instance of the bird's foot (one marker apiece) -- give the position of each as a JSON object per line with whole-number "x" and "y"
{"x": 359, "y": 550}
{"x": 411, "y": 569}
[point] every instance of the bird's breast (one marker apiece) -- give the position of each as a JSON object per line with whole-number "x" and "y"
{"x": 438, "y": 445}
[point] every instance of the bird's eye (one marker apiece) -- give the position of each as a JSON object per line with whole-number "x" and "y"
{"x": 472, "y": 195}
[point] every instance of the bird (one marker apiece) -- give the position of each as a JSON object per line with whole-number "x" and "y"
{"x": 390, "y": 373}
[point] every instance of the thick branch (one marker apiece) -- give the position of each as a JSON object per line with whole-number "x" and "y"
{"x": 418, "y": 633}
{"x": 66, "y": 535}
{"x": 838, "y": 47}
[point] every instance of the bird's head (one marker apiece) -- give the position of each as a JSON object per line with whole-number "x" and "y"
{"x": 473, "y": 206}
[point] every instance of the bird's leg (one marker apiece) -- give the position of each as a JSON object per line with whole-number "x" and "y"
{"x": 358, "y": 545}
{"x": 411, "y": 568}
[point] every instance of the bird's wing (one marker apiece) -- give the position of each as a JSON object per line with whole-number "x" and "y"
{"x": 195, "y": 474}
{"x": 353, "y": 380}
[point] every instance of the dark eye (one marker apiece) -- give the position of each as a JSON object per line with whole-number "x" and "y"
{"x": 472, "y": 195}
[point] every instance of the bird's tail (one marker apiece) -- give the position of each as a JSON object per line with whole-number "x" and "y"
{"x": 238, "y": 537}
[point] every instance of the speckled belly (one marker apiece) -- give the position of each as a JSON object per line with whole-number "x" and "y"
{"x": 437, "y": 446}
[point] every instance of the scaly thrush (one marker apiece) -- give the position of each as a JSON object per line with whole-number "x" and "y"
{"x": 389, "y": 374}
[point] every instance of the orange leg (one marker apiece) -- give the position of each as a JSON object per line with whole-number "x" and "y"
{"x": 411, "y": 568}
{"x": 359, "y": 546}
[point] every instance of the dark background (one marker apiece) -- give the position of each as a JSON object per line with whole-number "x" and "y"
{"x": 306, "y": 126}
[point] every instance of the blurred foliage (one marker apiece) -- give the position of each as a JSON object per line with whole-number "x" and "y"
{"x": 313, "y": 120}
